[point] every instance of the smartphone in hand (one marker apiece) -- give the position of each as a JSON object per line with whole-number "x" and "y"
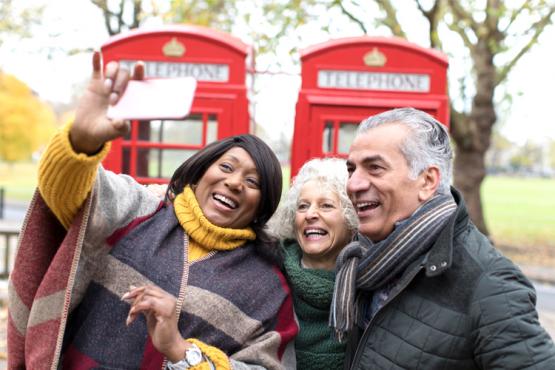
{"x": 157, "y": 98}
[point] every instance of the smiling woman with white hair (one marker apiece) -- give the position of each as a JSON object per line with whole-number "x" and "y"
{"x": 315, "y": 221}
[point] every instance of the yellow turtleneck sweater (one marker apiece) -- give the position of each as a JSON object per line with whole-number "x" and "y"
{"x": 66, "y": 178}
{"x": 204, "y": 236}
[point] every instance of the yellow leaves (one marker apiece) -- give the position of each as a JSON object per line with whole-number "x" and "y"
{"x": 26, "y": 123}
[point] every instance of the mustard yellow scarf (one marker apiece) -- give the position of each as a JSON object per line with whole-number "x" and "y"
{"x": 204, "y": 236}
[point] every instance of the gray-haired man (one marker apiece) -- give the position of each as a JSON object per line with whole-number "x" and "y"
{"x": 423, "y": 288}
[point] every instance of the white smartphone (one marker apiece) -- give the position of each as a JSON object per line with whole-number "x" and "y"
{"x": 157, "y": 98}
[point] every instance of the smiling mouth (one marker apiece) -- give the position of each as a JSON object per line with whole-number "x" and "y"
{"x": 225, "y": 201}
{"x": 367, "y": 206}
{"x": 314, "y": 233}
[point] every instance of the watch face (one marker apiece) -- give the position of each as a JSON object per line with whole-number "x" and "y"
{"x": 193, "y": 356}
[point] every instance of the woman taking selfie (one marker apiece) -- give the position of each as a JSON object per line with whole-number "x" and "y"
{"x": 140, "y": 283}
{"x": 315, "y": 220}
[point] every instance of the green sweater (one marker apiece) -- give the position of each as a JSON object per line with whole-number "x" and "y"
{"x": 312, "y": 293}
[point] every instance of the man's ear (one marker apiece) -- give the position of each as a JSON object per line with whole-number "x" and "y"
{"x": 429, "y": 182}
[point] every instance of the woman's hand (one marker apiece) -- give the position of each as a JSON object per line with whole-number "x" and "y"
{"x": 158, "y": 307}
{"x": 92, "y": 128}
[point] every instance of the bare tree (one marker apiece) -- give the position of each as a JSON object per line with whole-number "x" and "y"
{"x": 487, "y": 30}
{"x": 120, "y": 15}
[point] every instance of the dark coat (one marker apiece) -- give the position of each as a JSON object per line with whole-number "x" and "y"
{"x": 461, "y": 306}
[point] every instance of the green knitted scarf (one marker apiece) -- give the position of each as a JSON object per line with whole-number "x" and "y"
{"x": 312, "y": 295}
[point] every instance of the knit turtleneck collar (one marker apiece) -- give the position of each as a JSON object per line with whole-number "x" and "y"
{"x": 202, "y": 231}
{"x": 313, "y": 287}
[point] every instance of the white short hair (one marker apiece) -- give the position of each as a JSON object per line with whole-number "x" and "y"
{"x": 331, "y": 174}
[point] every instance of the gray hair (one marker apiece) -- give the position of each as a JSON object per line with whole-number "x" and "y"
{"x": 427, "y": 144}
{"x": 331, "y": 174}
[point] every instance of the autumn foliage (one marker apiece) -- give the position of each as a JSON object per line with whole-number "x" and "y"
{"x": 26, "y": 122}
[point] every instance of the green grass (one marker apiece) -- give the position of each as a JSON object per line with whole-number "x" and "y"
{"x": 19, "y": 180}
{"x": 286, "y": 173}
{"x": 520, "y": 211}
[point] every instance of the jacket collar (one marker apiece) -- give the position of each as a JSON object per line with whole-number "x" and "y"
{"x": 440, "y": 256}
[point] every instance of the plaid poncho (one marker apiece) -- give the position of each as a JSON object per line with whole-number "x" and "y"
{"x": 55, "y": 271}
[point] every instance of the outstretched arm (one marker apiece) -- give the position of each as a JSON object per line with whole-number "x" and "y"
{"x": 68, "y": 167}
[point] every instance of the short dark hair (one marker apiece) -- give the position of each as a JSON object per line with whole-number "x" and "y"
{"x": 267, "y": 166}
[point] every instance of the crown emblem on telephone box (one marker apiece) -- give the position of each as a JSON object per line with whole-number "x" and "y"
{"x": 374, "y": 58}
{"x": 173, "y": 48}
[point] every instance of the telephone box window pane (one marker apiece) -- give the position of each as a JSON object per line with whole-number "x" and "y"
{"x": 187, "y": 131}
{"x": 126, "y": 160}
{"x": 156, "y": 131}
{"x": 161, "y": 163}
{"x": 327, "y": 137}
{"x": 141, "y": 162}
{"x": 212, "y": 129}
{"x": 347, "y": 131}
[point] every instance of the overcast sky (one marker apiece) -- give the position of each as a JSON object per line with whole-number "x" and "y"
{"x": 42, "y": 62}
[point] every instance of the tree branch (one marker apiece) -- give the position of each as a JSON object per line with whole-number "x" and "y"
{"x": 119, "y": 16}
{"x": 350, "y": 15}
{"x": 137, "y": 10}
{"x": 514, "y": 15}
{"x": 461, "y": 15}
{"x": 391, "y": 20}
{"x": 538, "y": 28}
{"x": 107, "y": 14}
{"x": 493, "y": 11}
{"x": 455, "y": 27}
{"x": 433, "y": 16}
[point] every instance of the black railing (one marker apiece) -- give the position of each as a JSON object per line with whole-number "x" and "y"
{"x": 8, "y": 244}
{"x": 2, "y": 194}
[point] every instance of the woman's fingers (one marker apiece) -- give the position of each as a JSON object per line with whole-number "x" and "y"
{"x": 150, "y": 301}
{"x": 156, "y": 308}
{"x": 139, "y": 71}
{"x": 111, "y": 70}
{"x": 146, "y": 289}
{"x": 120, "y": 83}
{"x": 97, "y": 72}
{"x": 115, "y": 81}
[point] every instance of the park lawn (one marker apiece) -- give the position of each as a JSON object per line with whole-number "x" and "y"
{"x": 19, "y": 180}
{"x": 520, "y": 212}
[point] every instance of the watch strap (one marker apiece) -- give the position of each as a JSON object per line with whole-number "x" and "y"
{"x": 187, "y": 362}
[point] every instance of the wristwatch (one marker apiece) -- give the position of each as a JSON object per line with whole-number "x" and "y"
{"x": 193, "y": 357}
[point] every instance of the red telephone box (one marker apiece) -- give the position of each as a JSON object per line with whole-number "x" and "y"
{"x": 346, "y": 80}
{"x": 154, "y": 149}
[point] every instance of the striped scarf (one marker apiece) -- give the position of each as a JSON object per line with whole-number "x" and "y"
{"x": 367, "y": 266}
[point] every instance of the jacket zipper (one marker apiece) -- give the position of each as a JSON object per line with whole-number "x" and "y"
{"x": 389, "y": 299}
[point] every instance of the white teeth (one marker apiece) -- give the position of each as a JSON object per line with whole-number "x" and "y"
{"x": 309, "y": 232}
{"x": 362, "y": 205}
{"x": 230, "y": 203}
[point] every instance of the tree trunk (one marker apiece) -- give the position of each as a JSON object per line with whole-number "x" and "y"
{"x": 472, "y": 134}
{"x": 469, "y": 172}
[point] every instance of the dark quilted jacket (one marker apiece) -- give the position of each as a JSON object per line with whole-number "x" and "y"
{"x": 462, "y": 306}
